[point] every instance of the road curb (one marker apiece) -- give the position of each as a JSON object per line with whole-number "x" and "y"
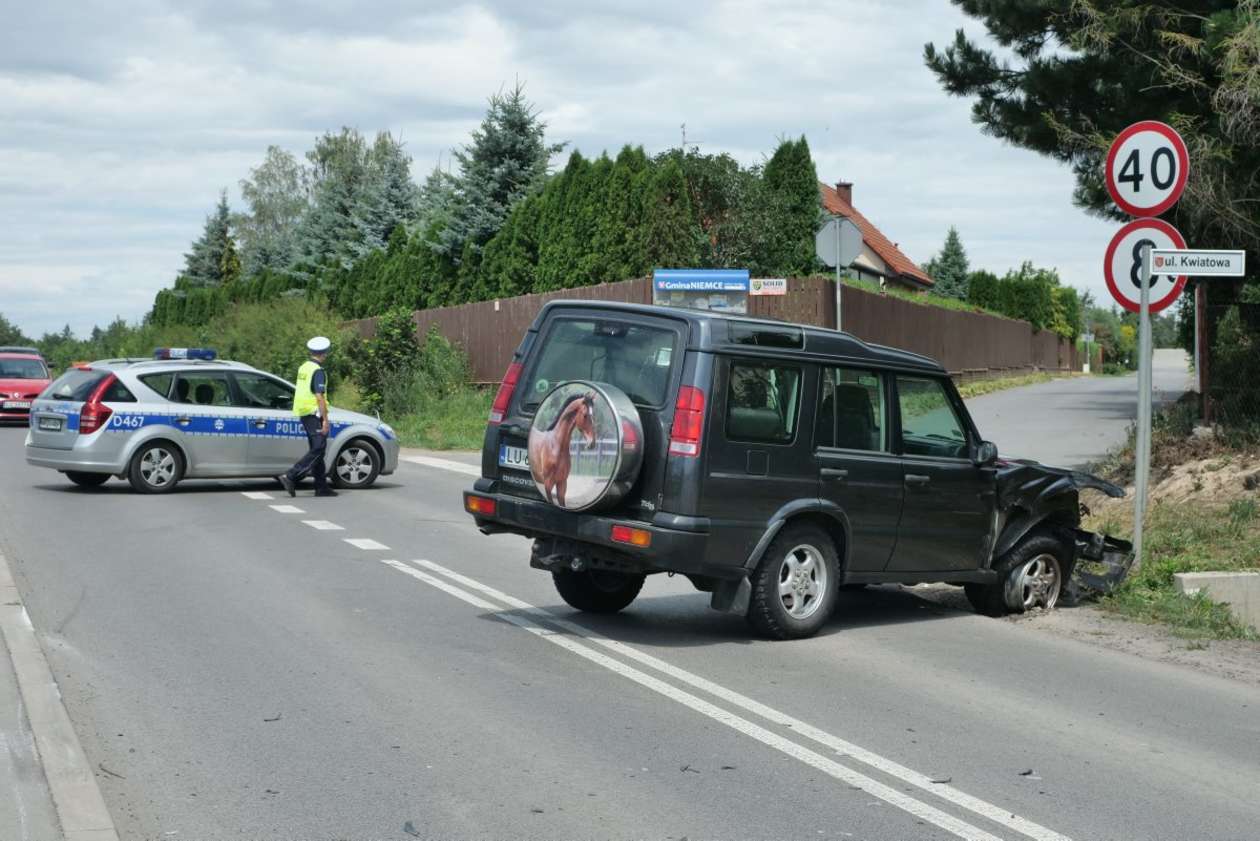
{"x": 76, "y": 797}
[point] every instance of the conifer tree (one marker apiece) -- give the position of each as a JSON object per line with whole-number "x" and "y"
{"x": 949, "y": 270}
{"x": 792, "y": 183}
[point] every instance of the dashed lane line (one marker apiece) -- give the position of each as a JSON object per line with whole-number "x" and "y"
{"x": 257, "y": 495}
{"x": 947, "y": 792}
{"x": 444, "y": 464}
{"x": 323, "y": 525}
{"x": 366, "y": 543}
{"x": 286, "y": 509}
{"x": 919, "y": 809}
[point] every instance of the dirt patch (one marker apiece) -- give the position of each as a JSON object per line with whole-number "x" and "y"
{"x": 1232, "y": 659}
{"x": 1215, "y": 480}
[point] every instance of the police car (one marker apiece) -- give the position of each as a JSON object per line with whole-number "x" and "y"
{"x": 187, "y": 415}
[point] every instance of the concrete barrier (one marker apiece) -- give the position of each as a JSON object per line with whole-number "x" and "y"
{"x": 1239, "y": 590}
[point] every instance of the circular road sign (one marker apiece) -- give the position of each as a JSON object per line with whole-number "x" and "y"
{"x": 1147, "y": 167}
{"x": 1123, "y": 264}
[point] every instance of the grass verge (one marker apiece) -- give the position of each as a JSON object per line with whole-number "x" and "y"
{"x": 457, "y": 422}
{"x": 979, "y": 387}
{"x": 1194, "y": 524}
{"x": 1198, "y": 537}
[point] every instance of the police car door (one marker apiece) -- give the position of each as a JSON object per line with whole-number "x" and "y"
{"x": 214, "y": 429}
{"x": 276, "y": 437}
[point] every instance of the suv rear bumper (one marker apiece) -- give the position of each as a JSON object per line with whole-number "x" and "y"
{"x": 671, "y": 549}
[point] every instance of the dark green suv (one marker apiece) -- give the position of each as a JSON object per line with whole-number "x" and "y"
{"x": 770, "y": 463}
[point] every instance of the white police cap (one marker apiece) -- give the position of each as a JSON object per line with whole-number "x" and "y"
{"x": 319, "y": 344}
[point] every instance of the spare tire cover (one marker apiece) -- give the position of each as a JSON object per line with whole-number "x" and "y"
{"x": 585, "y": 445}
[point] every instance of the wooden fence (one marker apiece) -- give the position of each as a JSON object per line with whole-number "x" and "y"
{"x": 970, "y": 345}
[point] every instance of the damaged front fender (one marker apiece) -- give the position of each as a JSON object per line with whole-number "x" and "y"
{"x": 1029, "y": 494}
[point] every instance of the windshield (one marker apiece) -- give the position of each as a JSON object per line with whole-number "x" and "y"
{"x": 75, "y": 385}
{"x": 634, "y": 358}
{"x": 22, "y": 369}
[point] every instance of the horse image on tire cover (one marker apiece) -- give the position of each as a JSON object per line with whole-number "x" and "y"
{"x": 573, "y": 446}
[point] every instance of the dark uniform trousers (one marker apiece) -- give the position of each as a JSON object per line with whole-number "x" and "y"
{"x": 313, "y": 461}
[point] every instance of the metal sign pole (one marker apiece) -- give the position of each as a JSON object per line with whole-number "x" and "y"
{"x": 839, "y": 322}
{"x": 1143, "y": 455}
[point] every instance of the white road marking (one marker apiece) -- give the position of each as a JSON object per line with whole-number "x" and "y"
{"x": 887, "y": 766}
{"x": 71, "y": 779}
{"x": 444, "y": 464}
{"x": 257, "y": 495}
{"x": 323, "y": 525}
{"x": 919, "y": 809}
{"x": 366, "y": 543}
{"x": 286, "y": 509}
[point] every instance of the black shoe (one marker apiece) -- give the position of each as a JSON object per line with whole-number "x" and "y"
{"x": 284, "y": 480}
{"x": 326, "y": 492}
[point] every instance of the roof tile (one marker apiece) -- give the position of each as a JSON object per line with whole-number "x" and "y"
{"x": 880, "y": 244}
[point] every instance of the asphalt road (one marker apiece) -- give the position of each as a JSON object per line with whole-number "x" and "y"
{"x": 241, "y": 673}
{"x": 1074, "y": 421}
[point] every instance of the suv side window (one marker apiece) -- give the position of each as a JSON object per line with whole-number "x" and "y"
{"x": 851, "y": 410}
{"x": 258, "y": 392}
{"x": 762, "y": 402}
{"x": 929, "y": 424}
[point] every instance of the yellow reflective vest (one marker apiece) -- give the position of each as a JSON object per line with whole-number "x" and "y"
{"x": 304, "y": 400}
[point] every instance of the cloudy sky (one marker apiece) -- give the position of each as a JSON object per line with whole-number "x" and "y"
{"x": 120, "y": 121}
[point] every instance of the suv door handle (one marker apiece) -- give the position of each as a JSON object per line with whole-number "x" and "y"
{"x": 833, "y": 473}
{"x": 917, "y": 479}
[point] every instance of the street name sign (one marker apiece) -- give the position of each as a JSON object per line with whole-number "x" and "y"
{"x": 1122, "y": 266}
{"x": 1147, "y": 168}
{"x": 1200, "y": 262}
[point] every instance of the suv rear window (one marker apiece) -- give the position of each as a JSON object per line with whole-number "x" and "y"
{"x": 635, "y": 358}
{"x": 74, "y": 385}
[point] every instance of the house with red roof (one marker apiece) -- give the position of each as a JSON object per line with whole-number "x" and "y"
{"x": 881, "y": 261}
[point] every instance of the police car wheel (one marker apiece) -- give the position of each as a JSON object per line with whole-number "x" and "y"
{"x": 87, "y": 480}
{"x": 357, "y": 465}
{"x": 156, "y": 468}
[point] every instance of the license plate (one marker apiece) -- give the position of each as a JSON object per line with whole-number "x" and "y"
{"x": 17, "y": 404}
{"x": 50, "y": 424}
{"x": 514, "y": 457}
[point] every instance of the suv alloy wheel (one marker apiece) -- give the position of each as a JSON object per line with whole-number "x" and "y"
{"x": 794, "y": 587}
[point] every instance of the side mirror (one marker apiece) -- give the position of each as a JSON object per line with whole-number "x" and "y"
{"x": 986, "y": 453}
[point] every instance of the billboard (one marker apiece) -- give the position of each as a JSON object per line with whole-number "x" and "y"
{"x": 718, "y": 290}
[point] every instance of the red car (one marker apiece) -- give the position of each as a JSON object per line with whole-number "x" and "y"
{"x": 23, "y": 375}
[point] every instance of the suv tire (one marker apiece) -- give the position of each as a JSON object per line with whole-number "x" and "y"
{"x": 1032, "y": 574}
{"x": 597, "y": 591}
{"x": 156, "y": 468}
{"x": 794, "y": 587}
{"x": 87, "y": 480}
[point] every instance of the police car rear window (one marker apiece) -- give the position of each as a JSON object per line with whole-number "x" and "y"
{"x": 117, "y": 393}
{"x": 74, "y": 385}
{"x": 161, "y": 383}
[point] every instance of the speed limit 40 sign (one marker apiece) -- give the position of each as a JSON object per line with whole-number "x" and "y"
{"x": 1123, "y": 264}
{"x": 1147, "y": 167}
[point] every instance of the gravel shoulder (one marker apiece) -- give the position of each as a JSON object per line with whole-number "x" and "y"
{"x": 1237, "y": 660}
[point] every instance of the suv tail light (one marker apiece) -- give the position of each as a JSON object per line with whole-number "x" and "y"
{"x": 503, "y": 398}
{"x": 688, "y": 428}
{"x": 95, "y": 414}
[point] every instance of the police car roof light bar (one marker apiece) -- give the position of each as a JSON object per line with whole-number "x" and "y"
{"x": 203, "y": 353}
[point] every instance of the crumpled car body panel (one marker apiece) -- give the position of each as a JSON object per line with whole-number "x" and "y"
{"x": 1030, "y": 493}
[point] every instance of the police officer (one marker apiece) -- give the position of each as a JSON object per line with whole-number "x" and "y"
{"x": 311, "y": 406}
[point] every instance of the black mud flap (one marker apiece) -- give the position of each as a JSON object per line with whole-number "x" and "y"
{"x": 1102, "y": 562}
